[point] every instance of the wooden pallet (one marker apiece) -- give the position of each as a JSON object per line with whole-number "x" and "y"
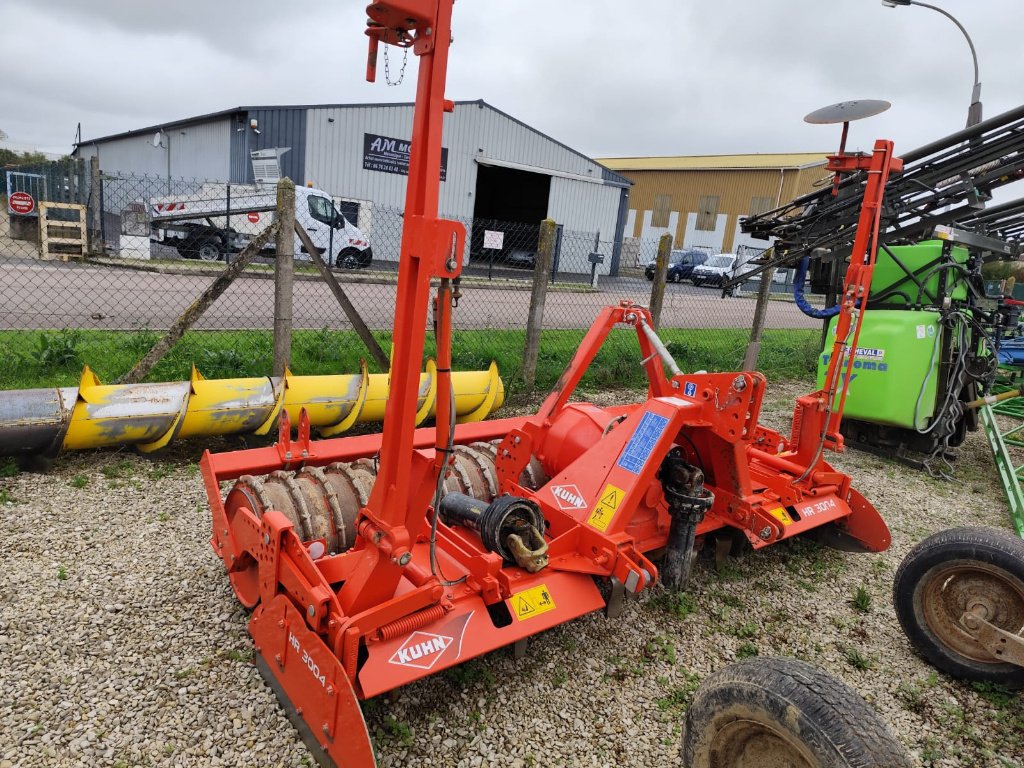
{"x": 62, "y": 237}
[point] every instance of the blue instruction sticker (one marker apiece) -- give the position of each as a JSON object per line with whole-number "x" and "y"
{"x": 639, "y": 447}
{"x": 690, "y": 389}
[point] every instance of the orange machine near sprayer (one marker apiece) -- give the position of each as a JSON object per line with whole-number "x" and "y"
{"x": 376, "y": 560}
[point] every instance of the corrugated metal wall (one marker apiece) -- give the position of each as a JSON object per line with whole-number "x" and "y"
{"x": 334, "y": 163}
{"x": 334, "y": 151}
{"x": 198, "y": 151}
{"x": 278, "y": 127}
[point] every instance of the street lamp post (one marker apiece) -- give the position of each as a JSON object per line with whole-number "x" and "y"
{"x": 974, "y": 111}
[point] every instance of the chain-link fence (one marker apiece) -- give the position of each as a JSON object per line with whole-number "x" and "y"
{"x": 154, "y": 245}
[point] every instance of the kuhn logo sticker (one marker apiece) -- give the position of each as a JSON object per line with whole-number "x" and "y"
{"x": 568, "y": 497}
{"x": 421, "y": 650}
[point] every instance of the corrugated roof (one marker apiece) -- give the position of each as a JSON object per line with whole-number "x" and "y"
{"x": 715, "y": 162}
{"x": 609, "y": 176}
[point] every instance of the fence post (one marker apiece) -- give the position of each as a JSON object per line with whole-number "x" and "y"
{"x": 284, "y": 275}
{"x": 660, "y": 273}
{"x": 535, "y": 318}
{"x": 95, "y": 215}
{"x": 760, "y": 312}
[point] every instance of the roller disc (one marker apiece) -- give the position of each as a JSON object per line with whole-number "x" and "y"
{"x": 246, "y": 495}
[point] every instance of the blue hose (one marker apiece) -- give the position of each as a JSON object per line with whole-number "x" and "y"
{"x": 801, "y": 300}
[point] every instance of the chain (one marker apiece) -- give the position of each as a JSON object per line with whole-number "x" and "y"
{"x": 387, "y": 66}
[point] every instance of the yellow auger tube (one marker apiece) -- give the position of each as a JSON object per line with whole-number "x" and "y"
{"x": 150, "y": 416}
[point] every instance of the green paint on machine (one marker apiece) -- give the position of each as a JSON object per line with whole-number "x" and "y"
{"x": 897, "y": 357}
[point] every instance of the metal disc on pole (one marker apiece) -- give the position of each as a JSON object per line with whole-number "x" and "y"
{"x": 847, "y": 111}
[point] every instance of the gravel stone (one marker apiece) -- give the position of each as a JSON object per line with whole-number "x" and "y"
{"x": 121, "y": 643}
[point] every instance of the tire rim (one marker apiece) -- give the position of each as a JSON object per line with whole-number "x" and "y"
{"x": 209, "y": 252}
{"x": 752, "y": 744}
{"x": 951, "y": 589}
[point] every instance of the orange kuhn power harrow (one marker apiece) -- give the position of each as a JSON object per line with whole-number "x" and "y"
{"x": 373, "y": 561}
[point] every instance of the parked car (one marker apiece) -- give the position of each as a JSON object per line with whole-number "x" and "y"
{"x": 682, "y": 269}
{"x": 680, "y": 265}
{"x": 719, "y": 269}
{"x": 521, "y": 258}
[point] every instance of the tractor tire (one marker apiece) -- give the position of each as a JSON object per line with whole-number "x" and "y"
{"x": 348, "y": 258}
{"x": 949, "y": 573}
{"x": 775, "y": 712}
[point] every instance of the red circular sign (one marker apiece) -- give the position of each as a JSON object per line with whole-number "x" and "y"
{"x": 253, "y": 217}
{"x": 21, "y": 202}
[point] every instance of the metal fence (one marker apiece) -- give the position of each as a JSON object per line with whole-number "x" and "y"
{"x": 156, "y": 244}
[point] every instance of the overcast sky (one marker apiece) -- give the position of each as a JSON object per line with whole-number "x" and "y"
{"x": 608, "y": 77}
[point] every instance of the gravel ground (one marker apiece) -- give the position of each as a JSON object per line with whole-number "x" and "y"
{"x": 121, "y": 643}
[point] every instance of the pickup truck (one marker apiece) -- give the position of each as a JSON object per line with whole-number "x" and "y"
{"x": 222, "y": 218}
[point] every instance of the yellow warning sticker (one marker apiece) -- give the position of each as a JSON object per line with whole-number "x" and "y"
{"x": 780, "y": 514}
{"x": 532, "y": 602}
{"x": 603, "y": 512}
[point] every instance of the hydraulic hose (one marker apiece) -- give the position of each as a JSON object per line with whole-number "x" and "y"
{"x": 801, "y": 300}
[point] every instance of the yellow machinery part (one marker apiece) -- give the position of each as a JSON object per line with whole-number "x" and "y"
{"x": 150, "y": 416}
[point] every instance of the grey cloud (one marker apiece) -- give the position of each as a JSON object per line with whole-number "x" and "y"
{"x": 658, "y": 77}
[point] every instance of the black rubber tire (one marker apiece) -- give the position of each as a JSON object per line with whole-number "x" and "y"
{"x": 786, "y": 699}
{"x": 348, "y": 258}
{"x": 209, "y": 249}
{"x": 988, "y": 547}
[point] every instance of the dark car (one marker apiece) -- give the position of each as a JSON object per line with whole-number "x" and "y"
{"x": 680, "y": 265}
{"x": 521, "y": 258}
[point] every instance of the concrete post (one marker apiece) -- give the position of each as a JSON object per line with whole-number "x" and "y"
{"x": 757, "y": 329}
{"x": 660, "y": 273}
{"x": 535, "y": 318}
{"x": 95, "y": 212}
{"x": 284, "y": 275}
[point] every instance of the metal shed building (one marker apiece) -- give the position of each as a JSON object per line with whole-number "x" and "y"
{"x": 495, "y": 168}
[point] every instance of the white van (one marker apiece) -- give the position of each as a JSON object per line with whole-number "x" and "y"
{"x": 720, "y": 268}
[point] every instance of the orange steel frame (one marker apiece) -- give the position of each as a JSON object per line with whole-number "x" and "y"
{"x": 343, "y": 627}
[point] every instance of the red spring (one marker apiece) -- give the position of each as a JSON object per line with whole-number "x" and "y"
{"x": 411, "y": 622}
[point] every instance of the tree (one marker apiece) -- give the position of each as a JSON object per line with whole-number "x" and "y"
{"x": 11, "y": 157}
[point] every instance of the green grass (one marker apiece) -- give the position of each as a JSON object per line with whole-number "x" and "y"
{"x": 55, "y": 358}
{"x": 861, "y": 600}
{"x": 746, "y": 650}
{"x": 677, "y": 698}
{"x": 856, "y": 659}
{"x": 471, "y": 673}
{"x": 677, "y": 603}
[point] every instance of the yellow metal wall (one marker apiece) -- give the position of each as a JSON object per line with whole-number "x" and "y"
{"x": 735, "y": 189}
